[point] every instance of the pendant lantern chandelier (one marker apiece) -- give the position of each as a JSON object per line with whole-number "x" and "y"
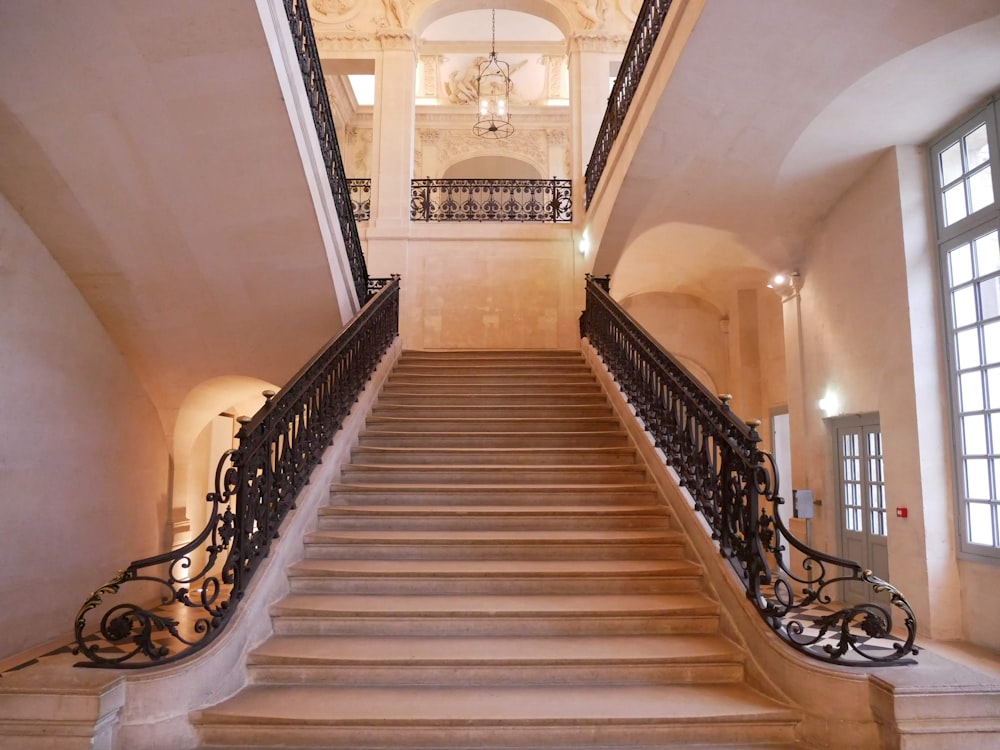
{"x": 493, "y": 95}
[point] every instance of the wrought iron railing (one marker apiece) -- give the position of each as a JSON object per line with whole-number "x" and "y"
{"x": 640, "y": 45}
{"x": 195, "y": 589}
{"x": 491, "y": 200}
{"x": 734, "y": 485}
{"x": 361, "y": 197}
{"x": 312, "y": 75}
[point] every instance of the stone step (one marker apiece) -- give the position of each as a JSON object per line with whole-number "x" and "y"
{"x": 469, "y": 411}
{"x": 494, "y": 545}
{"x": 506, "y": 388}
{"x": 490, "y": 355}
{"x": 548, "y": 368}
{"x": 495, "y": 615}
{"x": 494, "y": 577}
{"x": 622, "y": 455}
{"x": 359, "y": 661}
{"x": 493, "y": 424}
{"x": 534, "y": 382}
{"x": 388, "y": 437}
{"x": 576, "y": 397}
{"x": 476, "y": 474}
{"x": 304, "y": 716}
{"x": 467, "y": 494}
{"x": 494, "y": 517}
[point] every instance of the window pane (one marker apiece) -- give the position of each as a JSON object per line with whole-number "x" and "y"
{"x": 878, "y": 523}
{"x": 964, "y": 306}
{"x": 971, "y": 390}
{"x": 991, "y": 339}
{"x": 951, "y": 163}
{"x": 977, "y": 479}
{"x": 993, "y": 387}
{"x": 977, "y": 148}
{"x": 968, "y": 349}
{"x": 989, "y": 297}
{"x": 981, "y": 189}
{"x": 954, "y": 204}
{"x": 980, "y": 523}
{"x": 974, "y": 434}
{"x": 961, "y": 265}
{"x": 987, "y": 253}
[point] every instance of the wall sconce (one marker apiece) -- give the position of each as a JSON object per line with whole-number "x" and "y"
{"x": 786, "y": 285}
{"x": 830, "y": 404}
{"x": 584, "y": 245}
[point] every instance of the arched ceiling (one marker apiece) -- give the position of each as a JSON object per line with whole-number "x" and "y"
{"x": 776, "y": 108}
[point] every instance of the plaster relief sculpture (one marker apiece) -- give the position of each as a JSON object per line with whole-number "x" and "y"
{"x": 593, "y": 12}
{"x": 460, "y": 87}
{"x": 396, "y": 11}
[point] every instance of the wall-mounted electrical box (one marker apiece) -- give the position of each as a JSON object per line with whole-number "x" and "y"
{"x": 803, "y": 505}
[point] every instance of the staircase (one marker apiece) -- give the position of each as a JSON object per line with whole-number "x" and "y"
{"x": 495, "y": 571}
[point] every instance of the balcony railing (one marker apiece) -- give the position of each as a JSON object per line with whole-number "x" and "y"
{"x": 647, "y": 28}
{"x": 734, "y": 486}
{"x": 361, "y": 197}
{"x": 491, "y": 200}
{"x": 319, "y": 100}
{"x": 199, "y": 586}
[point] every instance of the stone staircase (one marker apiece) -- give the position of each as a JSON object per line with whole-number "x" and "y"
{"x": 496, "y": 571}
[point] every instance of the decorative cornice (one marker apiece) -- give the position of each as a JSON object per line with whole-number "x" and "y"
{"x": 589, "y": 42}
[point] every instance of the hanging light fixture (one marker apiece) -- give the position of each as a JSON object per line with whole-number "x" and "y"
{"x": 493, "y": 95}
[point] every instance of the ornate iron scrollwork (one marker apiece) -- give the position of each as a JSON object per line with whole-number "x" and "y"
{"x": 312, "y": 76}
{"x": 188, "y": 595}
{"x": 734, "y": 485}
{"x": 361, "y": 197}
{"x": 640, "y": 45}
{"x": 491, "y": 200}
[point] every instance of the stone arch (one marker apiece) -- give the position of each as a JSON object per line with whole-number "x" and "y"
{"x": 193, "y": 455}
{"x": 494, "y": 159}
{"x": 545, "y": 9}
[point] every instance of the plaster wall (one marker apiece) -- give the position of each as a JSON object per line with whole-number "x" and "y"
{"x": 463, "y": 287}
{"x": 687, "y": 327}
{"x": 83, "y": 460}
{"x": 854, "y": 340}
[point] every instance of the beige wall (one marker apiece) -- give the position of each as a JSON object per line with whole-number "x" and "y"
{"x": 83, "y": 460}
{"x": 856, "y": 338}
{"x": 463, "y": 288}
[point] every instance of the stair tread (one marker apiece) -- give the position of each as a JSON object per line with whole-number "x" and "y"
{"x": 489, "y": 650}
{"x": 466, "y": 706}
{"x": 480, "y": 511}
{"x": 516, "y": 536}
{"x": 611, "y": 605}
{"x": 535, "y": 568}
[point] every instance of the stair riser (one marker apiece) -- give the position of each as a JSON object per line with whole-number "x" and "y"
{"x": 501, "y": 736}
{"x": 508, "y": 390}
{"x": 387, "y": 438}
{"x": 517, "y": 370}
{"x": 522, "y": 425}
{"x": 536, "y": 382}
{"x": 396, "y": 522}
{"x": 493, "y": 475}
{"x": 498, "y": 551}
{"x": 463, "y": 675}
{"x": 492, "y": 457}
{"x": 459, "y": 411}
{"x": 400, "y": 397}
{"x": 496, "y": 625}
{"x": 494, "y": 586}
{"x": 528, "y": 496}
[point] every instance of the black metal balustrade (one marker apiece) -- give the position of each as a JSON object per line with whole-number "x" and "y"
{"x": 640, "y": 45}
{"x": 361, "y": 197}
{"x": 734, "y": 485}
{"x": 196, "y": 589}
{"x": 491, "y": 200}
{"x": 312, "y": 75}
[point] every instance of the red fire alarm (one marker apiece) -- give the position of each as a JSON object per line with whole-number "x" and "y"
{"x": 900, "y": 512}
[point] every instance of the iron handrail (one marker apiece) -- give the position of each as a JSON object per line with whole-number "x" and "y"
{"x": 734, "y": 485}
{"x": 491, "y": 199}
{"x": 312, "y": 76}
{"x": 201, "y": 583}
{"x": 640, "y": 46}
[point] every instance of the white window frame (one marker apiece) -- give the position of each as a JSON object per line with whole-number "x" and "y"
{"x": 966, "y": 230}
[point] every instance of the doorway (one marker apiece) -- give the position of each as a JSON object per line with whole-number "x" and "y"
{"x": 863, "y": 525}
